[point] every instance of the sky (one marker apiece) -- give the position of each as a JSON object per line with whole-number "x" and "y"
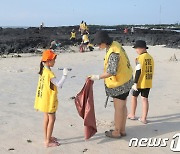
{"x": 99, "y": 12}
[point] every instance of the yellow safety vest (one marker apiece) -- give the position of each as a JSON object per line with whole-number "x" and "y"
{"x": 85, "y": 38}
{"x": 124, "y": 70}
{"x": 73, "y": 35}
{"x": 86, "y": 28}
{"x": 46, "y": 95}
{"x": 147, "y": 70}
{"x": 82, "y": 26}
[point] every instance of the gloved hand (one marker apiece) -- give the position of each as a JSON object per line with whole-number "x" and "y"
{"x": 134, "y": 87}
{"x": 94, "y": 77}
{"x": 65, "y": 71}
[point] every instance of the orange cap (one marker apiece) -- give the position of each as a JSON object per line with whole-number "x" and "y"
{"x": 48, "y": 55}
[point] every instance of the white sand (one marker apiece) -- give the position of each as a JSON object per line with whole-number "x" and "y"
{"x": 20, "y": 122}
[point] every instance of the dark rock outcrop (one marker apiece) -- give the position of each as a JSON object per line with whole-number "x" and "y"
{"x": 17, "y": 40}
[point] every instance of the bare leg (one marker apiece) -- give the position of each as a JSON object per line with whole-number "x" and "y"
{"x": 45, "y": 125}
{"x": 123, "y": 128}
{"x": 133, "y": 107}
{"x": 50, "y": 127}
{"x": 145, "y": 108}
{"x": 120, "y": 107}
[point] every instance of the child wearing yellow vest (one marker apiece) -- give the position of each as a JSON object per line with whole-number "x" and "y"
{"x": 46, "y": 96}
{"x": 143, "y": 80}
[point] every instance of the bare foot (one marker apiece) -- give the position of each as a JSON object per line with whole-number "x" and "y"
{"x": 143, "y": 121}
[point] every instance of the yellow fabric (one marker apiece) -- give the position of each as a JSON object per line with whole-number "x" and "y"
{"x": 147, "y": 70}
{"x": 73, "y": 35}
{"x": 86, "y": 28}
{"x": 90, "y": 45}
{"x": 124, "y": 71}
{"x": 46, "y": 95}
{"x": 85, "y": 38}
{"x": 82, "y": 26}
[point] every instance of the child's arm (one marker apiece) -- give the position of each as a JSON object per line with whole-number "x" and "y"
{"x": 59, "y": 83}
{"x": 137, "y": 73}
{"x": 137, "y": 76}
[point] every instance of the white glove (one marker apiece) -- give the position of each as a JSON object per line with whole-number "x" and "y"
{"x": 134, "y": 87}
{"x": 95, "y": 77}
{"x": 65, "y": 71}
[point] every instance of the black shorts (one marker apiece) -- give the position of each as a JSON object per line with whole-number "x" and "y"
{"x": 122, "y": 96}
{"x": 86, "y": 43}
{"x": 144, "y": 92}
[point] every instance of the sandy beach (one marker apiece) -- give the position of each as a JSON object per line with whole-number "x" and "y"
{"x": 21, "y": 126}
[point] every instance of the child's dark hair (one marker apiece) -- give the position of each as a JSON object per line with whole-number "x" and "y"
{"x": 41, "y": 68}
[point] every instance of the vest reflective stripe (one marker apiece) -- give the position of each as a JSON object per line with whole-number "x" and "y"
{"x": 46, "y": 95}
{"x": 124, "y": 71}
{"x": 147, "y": 70}
{"x": 73, "y": 35}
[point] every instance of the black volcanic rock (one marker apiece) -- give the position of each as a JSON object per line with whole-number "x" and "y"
{"x": 16, "y": 40}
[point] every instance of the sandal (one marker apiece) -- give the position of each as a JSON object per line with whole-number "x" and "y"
{"x": 131, "y": 118}
{"x": 53, "y": 139}
{"x": 122, "y": 134}
{"x": 144, "y": 122}
{"x": 109, "y": 134}
{"x": 52, "y": 144}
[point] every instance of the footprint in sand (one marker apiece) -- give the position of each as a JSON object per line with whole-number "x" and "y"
{"x": 104, "y": 123}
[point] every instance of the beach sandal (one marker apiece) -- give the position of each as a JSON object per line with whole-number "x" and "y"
{"x": 53, "y": 144}
{"x": 122, "y": 134}
{"x": 109, "y": 134}
{"x": 131, "y": 118}
{"x": 144, "y": 122}
{"x": 53, "y": 139}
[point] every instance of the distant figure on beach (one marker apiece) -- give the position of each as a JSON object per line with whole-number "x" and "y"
{"x": 41, "y": 26}
{"x": 142, "y": 81}
{"x": 118, "y": 80}
{"x": 82, "y": 27}
{"x": 53, "y": 45}
{"x": 73, "y": 36}
{"x": 46, "y": 96}
{"x": 132, "y": 30}
{"x": 126, "y": 31}
{"x": 85, "y": 42}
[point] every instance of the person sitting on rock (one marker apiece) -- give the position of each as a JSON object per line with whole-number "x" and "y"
{"x": 53, "y": 45}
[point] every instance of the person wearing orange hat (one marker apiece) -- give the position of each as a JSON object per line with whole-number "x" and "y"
{"x": 46, "y": 95}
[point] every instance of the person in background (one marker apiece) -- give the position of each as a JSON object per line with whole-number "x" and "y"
{"x": 41, "y": 26}
{"x": 53, "y": 45}
{"x": 142, "y": 81}
{"x": 125, "y": 31}
{"x": 118, "y": 80}
{"x": 73, "y": 36}
{"x": 46, "y": 99}
{"x": 82, "y": 27}
{"x": 85, "y": 42}
{"x": 132, "y": 30}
